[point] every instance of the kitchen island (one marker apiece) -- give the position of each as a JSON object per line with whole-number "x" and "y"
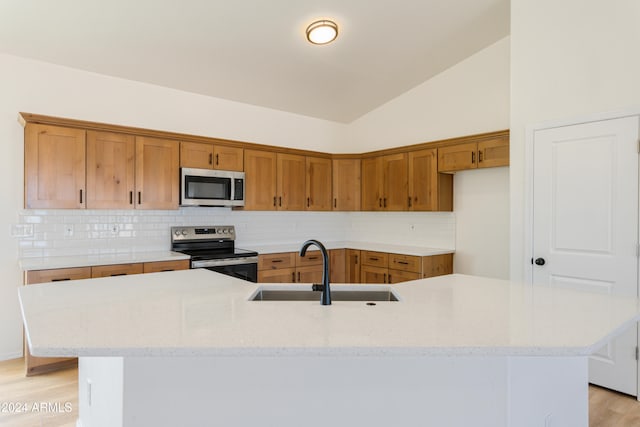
{"x": 189, "y": 348}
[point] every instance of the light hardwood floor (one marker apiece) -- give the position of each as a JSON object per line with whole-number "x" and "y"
{"x": 606, "y": 408}
{"x": 41, "y": 398}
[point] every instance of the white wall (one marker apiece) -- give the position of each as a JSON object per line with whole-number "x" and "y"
{"x": 568, "y": 59}
{"x": 470, "y": 97}
{"x": 481, "y": 204}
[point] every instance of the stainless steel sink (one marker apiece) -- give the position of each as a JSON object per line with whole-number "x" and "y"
{"x": 336, "y": 295}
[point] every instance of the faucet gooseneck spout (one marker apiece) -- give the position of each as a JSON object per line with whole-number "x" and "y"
{"x": 326, "y": 291}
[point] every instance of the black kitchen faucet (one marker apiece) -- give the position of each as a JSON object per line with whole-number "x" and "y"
{"x": 325, "y": 299}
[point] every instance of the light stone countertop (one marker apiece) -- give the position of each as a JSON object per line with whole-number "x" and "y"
{"x": 194, "y": 313}
{"x": 365, "y": 246}
{"x": 42, "y": 263}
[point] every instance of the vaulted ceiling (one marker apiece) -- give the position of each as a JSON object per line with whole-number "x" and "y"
{"x": 255, "y": 51}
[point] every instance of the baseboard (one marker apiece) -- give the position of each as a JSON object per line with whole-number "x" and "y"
{"x": 9, "y": 356}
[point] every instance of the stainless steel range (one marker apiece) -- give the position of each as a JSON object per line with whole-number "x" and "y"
{"x": 214, "y": 248}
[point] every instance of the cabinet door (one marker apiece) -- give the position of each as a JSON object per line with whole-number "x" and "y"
{"x": 309, "y": 274}
{"x": 458, "y": 157}
{"x": 196, "y": 155}
{"x": 116, "y": 270}
{"x": 398, "y": 276}
{"x": 159, "y": 266}
{"x": 54, "y": 159}
{"x": 282, "y": 275}
{"x": 394, "y": 196}
{"x": 352, "y": 268}
{"x": 291, "y": 182}
{"x": 337, "y": 267}
{"x": 110, "y": 170}
{"x": 423, "y": 180}
{"x": 157, "y": 173}
{"x": 370, "y": 274}
{"x": 260, "y": 180}
{"x": 346, "y": 184}
{"x": 38, "y": 365}
{"x": 228, "y": 158}
{"x": 437, "y": 265}
{"x": 493, "y": 153}
{"x": 372, "y": 178}
{"x": 318, "y": 184}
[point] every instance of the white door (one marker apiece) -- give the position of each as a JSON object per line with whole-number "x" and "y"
{"x": 585, "y": 224}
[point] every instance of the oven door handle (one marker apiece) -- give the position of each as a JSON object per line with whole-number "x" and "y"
{"x": 222, "y": 262}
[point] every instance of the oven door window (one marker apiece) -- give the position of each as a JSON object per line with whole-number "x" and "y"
{"x": 248, "y": 272}
{"x": 207, "y": 187}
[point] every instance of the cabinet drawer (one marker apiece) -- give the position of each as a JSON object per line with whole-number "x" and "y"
{"x": 277, "y": 261}
{"x": 154, "y": 267}
{"x": 397, "y": 276}
{"x": 116, "y": 270}
{"x": 375, "y": 259}
{"x": 57, "y": 275}
{"x": 311, "y": 258}
{"x": 281, "y": 275}
{"x": 405, "y": 263}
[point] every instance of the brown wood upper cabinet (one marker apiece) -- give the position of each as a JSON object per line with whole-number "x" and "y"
{"x": 483, "y": 154}
{"x": 157, "y": 169}
{"x": 318, "y": 184}
{"x": 384, "y": 183}
{"x": 291, "y": 182}
{"x": 110, "y": 170}
{"x": 260, "y": 180}
{"x": 346, "y": 184}
{"x": 209, "y": 156}
{"x": 54, "y": 167}
{"x": 429, "y": 190}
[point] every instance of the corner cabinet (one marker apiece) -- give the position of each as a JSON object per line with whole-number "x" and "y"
{"x": 157, "y": 171}
{"x": 346, "y": 184}
{"x": 54, "y": 162}
{"x": 428, "y": 190}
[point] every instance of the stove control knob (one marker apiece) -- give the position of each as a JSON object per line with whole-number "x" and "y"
{"x": 177, "y": 232}
{"x": 184, "y": 232}
{"x": 224, "y": 231}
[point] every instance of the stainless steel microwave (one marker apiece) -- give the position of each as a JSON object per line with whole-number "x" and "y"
{"x": 207, "y": 187}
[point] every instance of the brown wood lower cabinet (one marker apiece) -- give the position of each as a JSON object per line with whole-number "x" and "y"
{"x": 351, "y": 266}
{"x": 39, "y": 365}
{"x": 116, "y": 270}
{"x": 159, "y": 266}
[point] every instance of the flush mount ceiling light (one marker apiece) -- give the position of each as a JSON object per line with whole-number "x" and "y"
{"x": 322, "y": 32}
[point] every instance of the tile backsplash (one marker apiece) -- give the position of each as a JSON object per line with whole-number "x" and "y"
{"x": 80, "y": 232}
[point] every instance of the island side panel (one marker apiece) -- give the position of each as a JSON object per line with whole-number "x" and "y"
{"x": 316, "y": 391}
{"x": 100, "y": 391}
{"x": 549, "y": 391}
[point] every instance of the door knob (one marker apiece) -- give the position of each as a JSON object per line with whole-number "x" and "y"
{"x": 540, "y": 261}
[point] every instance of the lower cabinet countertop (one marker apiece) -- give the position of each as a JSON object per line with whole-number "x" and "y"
{"x": 45, "y": 263}
{"x": 365, "y": 246}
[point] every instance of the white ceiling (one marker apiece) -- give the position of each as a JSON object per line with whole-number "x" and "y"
{"x": 255, "y": 51}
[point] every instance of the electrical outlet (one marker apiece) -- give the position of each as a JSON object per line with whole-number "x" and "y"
{"x": 412, "y": 227}
{"x": 22, "y": 230}
{"x": 114, "y": 228}
{"x": 68, "y": 230}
